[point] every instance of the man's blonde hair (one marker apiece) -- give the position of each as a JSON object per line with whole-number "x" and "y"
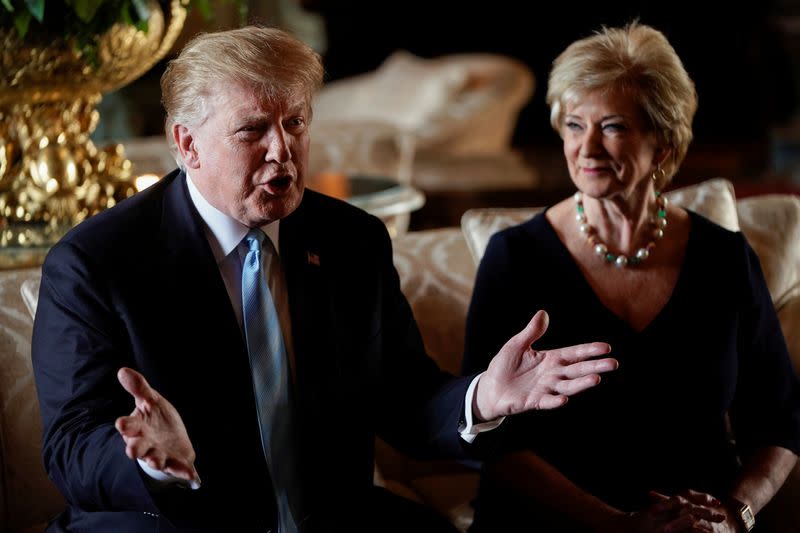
{"x": 638, "y": 60}
{"x": 268, "y": 60}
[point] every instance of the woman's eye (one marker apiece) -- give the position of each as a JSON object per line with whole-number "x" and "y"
{"x": 574, "y": 126}
{"x": 613, "y": 127}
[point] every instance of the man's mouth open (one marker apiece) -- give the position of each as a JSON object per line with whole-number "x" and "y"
{"x": 279, "y": 184}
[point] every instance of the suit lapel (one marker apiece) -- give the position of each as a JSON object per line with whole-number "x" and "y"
{"x": 191, "y": 275}
{"x": 310, "y": 300}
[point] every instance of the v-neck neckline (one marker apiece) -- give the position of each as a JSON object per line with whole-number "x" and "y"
{"x": 586, "y": 287}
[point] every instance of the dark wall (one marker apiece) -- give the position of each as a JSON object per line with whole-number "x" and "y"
{"x": 737, "y": 58}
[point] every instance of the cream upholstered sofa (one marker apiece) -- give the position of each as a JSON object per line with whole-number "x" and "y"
{"x": 436, "y": 269}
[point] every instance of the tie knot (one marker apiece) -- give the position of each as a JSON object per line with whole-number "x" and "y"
{"x": 255, "y": 238}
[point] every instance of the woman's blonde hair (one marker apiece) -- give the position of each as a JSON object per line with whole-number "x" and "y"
{"x": 268, "y": 60}
{"x": 639, "y": 60}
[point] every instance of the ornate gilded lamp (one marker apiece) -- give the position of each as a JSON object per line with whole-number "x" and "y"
{"x": 52, "y": 176}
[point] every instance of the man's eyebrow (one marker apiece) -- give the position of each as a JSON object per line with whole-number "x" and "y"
{"x": 251, "y": 119}
{"x": 299, "y": 107}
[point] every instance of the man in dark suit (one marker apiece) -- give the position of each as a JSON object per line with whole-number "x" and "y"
{"x": 152, "y": 295}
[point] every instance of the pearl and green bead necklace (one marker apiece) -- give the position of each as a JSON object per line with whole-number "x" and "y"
{"x": 621, "y": 260}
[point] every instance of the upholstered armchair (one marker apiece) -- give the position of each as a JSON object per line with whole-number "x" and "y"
{"x": 411, "y": 111}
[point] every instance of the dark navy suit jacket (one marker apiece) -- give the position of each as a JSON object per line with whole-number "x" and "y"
{"x": 138, "y": 286}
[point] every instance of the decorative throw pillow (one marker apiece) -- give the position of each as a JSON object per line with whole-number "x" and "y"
{"x": 714, "y": 199}
{"x": 771, "y": 224}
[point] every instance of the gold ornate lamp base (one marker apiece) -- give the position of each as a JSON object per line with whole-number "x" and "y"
{"x": 51, "y": 174}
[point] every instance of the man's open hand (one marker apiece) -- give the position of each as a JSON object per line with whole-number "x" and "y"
{"x": 520, "y": 378}
{"x": 154, "y": 431}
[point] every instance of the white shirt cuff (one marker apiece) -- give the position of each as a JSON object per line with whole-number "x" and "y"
{"x": 469, "y": 431}
{"x": 163, "y": 478}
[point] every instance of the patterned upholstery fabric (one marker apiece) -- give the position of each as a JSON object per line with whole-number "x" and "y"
{"x": 436, "y": 272}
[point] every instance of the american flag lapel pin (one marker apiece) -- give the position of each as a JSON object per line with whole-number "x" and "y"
{"x": 313, "y": 259}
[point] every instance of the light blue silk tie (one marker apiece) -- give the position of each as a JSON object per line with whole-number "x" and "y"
{"x": 270, "y": 370}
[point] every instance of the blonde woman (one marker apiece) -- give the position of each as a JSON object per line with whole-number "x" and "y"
{"x": 700, "y": 426}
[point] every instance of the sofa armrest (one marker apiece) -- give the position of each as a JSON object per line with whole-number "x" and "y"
{"x": 27, "y": 497}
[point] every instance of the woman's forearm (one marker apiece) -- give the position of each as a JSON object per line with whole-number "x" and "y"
{"x": 762, "y": 475}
